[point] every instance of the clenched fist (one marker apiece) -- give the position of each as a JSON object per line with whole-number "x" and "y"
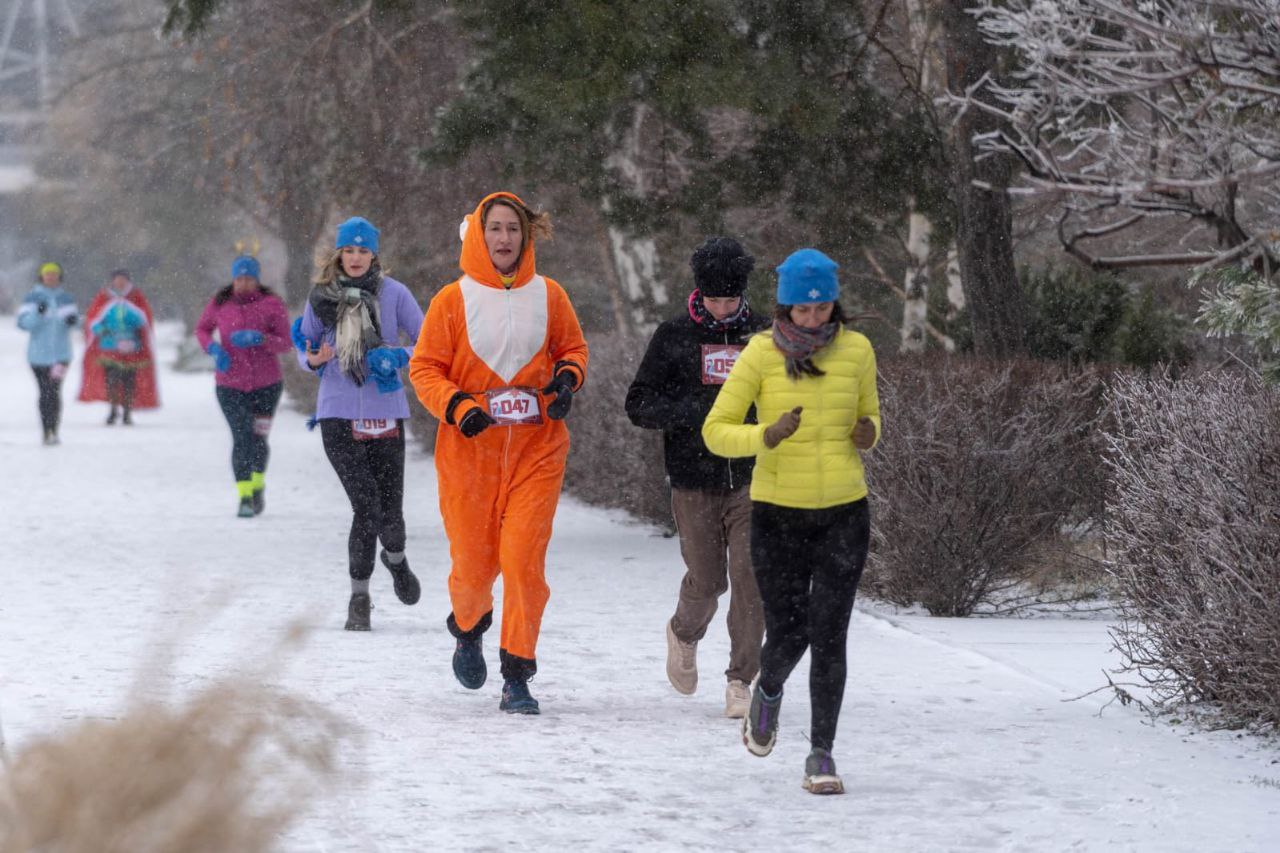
{"x": 864, "y": 433}
{"x": 783, "y": 427}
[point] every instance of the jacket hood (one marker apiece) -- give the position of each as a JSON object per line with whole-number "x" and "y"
{"x": 474, "y": 259}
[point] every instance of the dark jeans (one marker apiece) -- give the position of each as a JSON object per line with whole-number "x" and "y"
{"x": 808, "y": 563}
{"x": 120, "y": 385}
{"x": 249, "y": 414}
{"x": 50, "y": 395}
{"x": 372, "y": 472}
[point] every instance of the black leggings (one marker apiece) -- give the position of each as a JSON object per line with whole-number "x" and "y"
{"x": 249, "y": 414}
{"x": 372, "y": 472}
{"x": 50, "y": 394}
{"x": 120, "y": 384}
{"x": 807, "y": 564}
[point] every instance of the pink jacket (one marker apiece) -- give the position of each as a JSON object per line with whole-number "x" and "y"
{"x": 251, "y": 367}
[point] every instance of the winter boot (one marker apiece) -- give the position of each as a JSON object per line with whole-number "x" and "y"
{"x": 820, "y": 773}
{"x": 516, "y": 698}
{"x": 760, "y": 725}
{"x": 468, "y": 655}
{"x": 357, "y": 610}
{"x": 682, "y": 663}
{"x": 111, "y": 418}
{"x": 408, "y": 590}
{"x": 737, "y": 699}
{"x": 127, "y": 420}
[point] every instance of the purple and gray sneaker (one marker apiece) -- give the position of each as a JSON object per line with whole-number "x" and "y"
{"x": 820, "y": 775}
{"x": 760, "y": 726}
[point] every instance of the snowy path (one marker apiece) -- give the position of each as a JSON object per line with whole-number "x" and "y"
{"x": 954, "y": 734}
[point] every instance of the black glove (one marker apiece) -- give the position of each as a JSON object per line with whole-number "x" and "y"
{"x": 42, "y": 307}
{"x": 562, "y": 388}
{"x": 475, "y": 422}
{"x": 70, "y": 319}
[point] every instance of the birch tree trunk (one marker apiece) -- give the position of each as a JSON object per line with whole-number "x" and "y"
{"x": 915, "y": 307}
{"x": 635, "y": 255}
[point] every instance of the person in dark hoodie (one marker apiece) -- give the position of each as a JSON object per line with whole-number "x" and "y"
{"x": 688, "y": 359}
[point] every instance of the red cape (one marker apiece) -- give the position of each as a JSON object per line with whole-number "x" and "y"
{"x": 94, "y": 385}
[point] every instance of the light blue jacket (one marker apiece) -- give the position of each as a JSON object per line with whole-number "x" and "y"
{"x": 51, "y": 330}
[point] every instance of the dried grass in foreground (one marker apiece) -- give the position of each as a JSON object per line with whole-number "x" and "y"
{"x": 227, "y": 771}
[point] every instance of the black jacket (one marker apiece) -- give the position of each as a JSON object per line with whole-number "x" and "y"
{"x": 670, "y": 394}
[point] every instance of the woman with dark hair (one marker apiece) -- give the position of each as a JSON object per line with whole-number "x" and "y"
{"x": 813, "y": 383}
{"x": 252, "y": 328}
{"x": 498, "y": 361}
{"x": 350, "y": 336}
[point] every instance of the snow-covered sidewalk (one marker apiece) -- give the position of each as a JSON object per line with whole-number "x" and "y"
{"x": 954, "y": 734}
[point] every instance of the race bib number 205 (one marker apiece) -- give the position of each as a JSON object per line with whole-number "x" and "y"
{"x": 717, "y": 361}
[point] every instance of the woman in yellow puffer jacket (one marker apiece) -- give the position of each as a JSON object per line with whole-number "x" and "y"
{"x": 813, "y": 383}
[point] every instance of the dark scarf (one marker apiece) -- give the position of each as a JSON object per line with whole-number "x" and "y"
{"x": 798, "y": 345}
{"x": 349, "y": 306}
{"x": 735, "y": 321}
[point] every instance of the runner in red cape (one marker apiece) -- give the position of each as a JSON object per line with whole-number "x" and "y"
{"x": 119, "y": 359}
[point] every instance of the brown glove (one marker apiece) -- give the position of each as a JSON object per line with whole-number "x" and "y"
{"x": 782, "y": 428}
{"x": 864, "y": 433}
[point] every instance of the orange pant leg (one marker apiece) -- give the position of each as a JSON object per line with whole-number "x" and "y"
{"x": 470, "y": 484}
{"x": 525, "y": 533}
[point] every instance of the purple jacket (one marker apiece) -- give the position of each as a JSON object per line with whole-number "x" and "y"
{"x": 251, "y": 367}
{"x": 340, "y": 397}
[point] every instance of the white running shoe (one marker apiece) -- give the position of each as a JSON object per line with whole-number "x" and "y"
{"x": 682, "y": 663}
{"x": 737, "y": 699}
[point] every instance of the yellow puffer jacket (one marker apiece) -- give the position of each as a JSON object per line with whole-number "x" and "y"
{"x": 818, "y": 466}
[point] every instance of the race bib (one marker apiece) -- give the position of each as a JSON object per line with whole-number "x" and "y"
{"x": 367, "y": 429}
{"x": 58, "y": 371}
{"x": 262, "y": 425}
{"x": 717, "y": 361}
{"x": 514, "y": 406}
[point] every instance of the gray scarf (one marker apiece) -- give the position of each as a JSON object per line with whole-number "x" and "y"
{"x": 350, "y": 307}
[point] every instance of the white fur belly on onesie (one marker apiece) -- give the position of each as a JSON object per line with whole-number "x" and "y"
{"x": 506, "y": 328}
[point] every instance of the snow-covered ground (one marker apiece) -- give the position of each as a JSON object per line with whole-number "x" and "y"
{"x": 954, "y": 736}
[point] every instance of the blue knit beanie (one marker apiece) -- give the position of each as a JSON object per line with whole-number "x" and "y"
{"x": 245, "y": 265}
{"x": 357, "y": 231}
{"x": 807, "y": 275}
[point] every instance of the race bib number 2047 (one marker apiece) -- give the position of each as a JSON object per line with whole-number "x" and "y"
{"x": 717, "y": 361}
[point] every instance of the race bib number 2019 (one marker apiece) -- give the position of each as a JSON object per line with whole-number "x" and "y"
{"x": 717, "y": 361}
{"x": 367, "y": 429}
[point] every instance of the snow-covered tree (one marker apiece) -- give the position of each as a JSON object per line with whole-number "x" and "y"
{"x": 1133, "y": 111}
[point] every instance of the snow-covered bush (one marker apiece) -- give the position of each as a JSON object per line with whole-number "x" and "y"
{"x": 1193, "y": 530}
{"x": 980, "y": 466}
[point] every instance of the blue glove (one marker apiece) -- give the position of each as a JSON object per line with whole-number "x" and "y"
{"x": 221, "y": 358}
{"x": 384, "y": 365}
{"x": 299, "y": 339}
{"x": 245, "y": 338}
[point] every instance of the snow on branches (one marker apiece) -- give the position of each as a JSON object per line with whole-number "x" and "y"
{"x": 1129, "y": 111}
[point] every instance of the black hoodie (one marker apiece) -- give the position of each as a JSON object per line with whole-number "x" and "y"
{"x": 671, "y": 393}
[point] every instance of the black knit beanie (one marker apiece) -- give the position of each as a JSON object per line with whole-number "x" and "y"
{"x": 720, "y": 267}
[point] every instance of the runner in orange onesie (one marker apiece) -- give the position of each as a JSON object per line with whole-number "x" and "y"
{"x": 498, "y": 360}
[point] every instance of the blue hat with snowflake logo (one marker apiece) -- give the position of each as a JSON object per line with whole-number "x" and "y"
{"x": 357, "y": 231}
{"x": 807, "y": 275}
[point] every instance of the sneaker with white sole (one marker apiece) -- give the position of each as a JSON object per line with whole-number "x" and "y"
{"x": 737, "y": 699}
{"x": 682, "y": 663}
{"x": 760, "y": 725}
{"x": 820, "y": 775}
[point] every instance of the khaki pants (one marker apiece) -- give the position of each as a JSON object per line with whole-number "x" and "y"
{"x": 715, "y": 541}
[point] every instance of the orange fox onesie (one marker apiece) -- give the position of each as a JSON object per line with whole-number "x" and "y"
{"x": 486, "y": 343}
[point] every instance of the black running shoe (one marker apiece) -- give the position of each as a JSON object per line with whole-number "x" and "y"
{"x": 468, "y": 662}
{"x": 246, "y": 508}
{"x": 358, "y": 611}
{"x": 516, "y": 698}
{"x": 408, "y": 590}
